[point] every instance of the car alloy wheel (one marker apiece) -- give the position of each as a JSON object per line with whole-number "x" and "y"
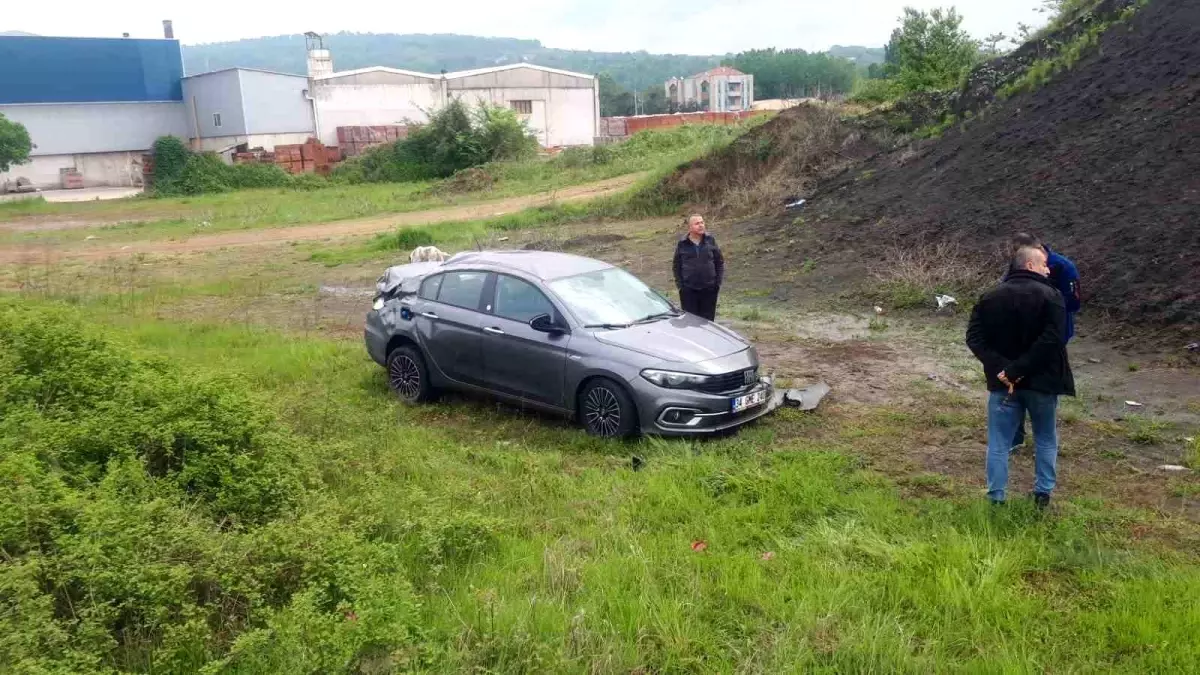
{"x": 405, "y": 377}
{"x": 602, "y": 412}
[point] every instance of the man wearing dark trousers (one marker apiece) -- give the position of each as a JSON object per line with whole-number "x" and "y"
{"x": 1017, "y": 332}
{"x": 699, "y": 270}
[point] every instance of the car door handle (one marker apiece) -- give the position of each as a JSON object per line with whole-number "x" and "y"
{"x": 493, "y": 330}
{"x": 429, "y": 315}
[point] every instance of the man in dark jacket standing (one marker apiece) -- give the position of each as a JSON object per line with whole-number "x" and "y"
{"x": 699, "y": 270}
{"x": 1017, "y": 333}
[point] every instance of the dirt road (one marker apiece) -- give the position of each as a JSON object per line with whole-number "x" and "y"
{"x": 98, "y": 250}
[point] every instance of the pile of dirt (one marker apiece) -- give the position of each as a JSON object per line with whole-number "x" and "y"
{"x": 1103, "y": 162}
{"x": 785, "y": 156}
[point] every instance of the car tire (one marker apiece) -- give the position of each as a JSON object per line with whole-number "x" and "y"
{"x": 408, "y": 376}
{"x": 606, "y": 411}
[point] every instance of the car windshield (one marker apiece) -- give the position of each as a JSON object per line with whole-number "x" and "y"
{"x": 610, "y": 297}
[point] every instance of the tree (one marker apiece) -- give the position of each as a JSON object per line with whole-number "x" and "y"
{"x": 930, "y": 51}
{"x": 615, "y": 100}
{"x": 993, "y": 41}
{"x": 793, "y": 73}
{"x": 15, "y": 144}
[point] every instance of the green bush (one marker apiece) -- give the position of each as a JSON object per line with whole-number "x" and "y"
{"x": 179, "y": 171}
{"x": 456, "y": 138}
{"x": 170, "y": 156}
{"x": 148, "y": 523}
{"x": 873, "y": 91}
{"x": 403, "y": 239}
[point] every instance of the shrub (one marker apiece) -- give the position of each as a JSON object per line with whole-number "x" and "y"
{"x": 403, "y": 239}
{"x": 873, "y": 91}
{"x": 170, "y": 156}
{"x": 15, "y": 144}
{"x": 455, "y": 138}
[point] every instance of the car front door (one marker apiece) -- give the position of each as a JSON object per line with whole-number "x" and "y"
{"x": 449, "y": 320}
{"x": 517, "y": 359}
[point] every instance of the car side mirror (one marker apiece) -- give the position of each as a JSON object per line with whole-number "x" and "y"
{"x": 544, "y": 323}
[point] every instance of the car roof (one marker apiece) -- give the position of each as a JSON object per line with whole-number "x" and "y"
{"x": 544, "y": 265}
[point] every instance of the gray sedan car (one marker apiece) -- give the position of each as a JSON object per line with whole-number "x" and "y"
{"x": 565, "y": 334}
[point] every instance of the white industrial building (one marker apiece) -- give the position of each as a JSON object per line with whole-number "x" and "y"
{"x": 561, "y": 108}
{"x": 246, "y": 106}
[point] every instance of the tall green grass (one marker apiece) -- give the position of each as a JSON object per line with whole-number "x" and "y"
{"x": 510, "y": 543}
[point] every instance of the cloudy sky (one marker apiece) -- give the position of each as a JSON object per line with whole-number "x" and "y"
{"x": 677, "y": 26}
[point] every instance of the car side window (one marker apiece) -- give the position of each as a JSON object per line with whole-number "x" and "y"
{"x": 430, "y": 286}
{"x": 519, "y": 300}
{"x": 462, "y": 289}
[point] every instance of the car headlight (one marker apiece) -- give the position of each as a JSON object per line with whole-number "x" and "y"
{"x": 378, "y": 304}
{"x": 672, "y": 380}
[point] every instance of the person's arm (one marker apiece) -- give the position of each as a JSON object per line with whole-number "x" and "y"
{"x": 1048, "y": 344}
{"x": 718, "y": 263}
{"x": 978, "y": 344}
{"x": 1070, "y": 286}
{"x": 677, "y": 268}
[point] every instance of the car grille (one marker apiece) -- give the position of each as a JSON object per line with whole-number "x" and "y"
{"x": 720, "y": 384}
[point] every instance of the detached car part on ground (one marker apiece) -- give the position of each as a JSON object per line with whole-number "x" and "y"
{"x": 564, "y": 334}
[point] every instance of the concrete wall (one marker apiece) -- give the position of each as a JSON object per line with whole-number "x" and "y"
{"x": 352, "y": 104}
{"x": 211, "y": 93}
{"x": 82, "y": 128}
{"x": 560, "y": 116}
{"x": 275, "y": 103}
{"x": 116, "y": 169}
{"x": 265, "y": 141}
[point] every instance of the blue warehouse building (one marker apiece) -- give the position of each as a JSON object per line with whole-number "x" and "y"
{"x": 95, "y": 105}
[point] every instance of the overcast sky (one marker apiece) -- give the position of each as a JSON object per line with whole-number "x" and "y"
{"x": 676, "y": 26}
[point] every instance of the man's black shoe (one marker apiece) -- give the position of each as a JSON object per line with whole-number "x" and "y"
{"x": 1041, "y": 500}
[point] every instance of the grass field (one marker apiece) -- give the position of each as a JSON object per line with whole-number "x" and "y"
{"x": 521, "y": 545}
{"x": 149, "y": 218}
{"x": 202, "y": 471}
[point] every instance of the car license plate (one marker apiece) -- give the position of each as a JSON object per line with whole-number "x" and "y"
{"x": 748, "y": 401}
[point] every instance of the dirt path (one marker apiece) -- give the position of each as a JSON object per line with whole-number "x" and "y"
{"x": 98, "y": 250}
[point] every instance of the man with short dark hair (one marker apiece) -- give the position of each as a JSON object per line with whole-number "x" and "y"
{"x": 1065, "y": 277}
{"x": 699, "y": 269}
{"x": 1016, "y": 332}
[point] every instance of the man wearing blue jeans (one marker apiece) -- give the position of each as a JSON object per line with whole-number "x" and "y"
{"x": 1065, "y": 277}
{"x": 1016, "y": 332}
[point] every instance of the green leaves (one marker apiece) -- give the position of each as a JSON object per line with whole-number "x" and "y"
{"x": 15, "y": 144}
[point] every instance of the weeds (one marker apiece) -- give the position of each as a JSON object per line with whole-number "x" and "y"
{"x": 1143, "y": 431}
{"x": 909, "y": 277}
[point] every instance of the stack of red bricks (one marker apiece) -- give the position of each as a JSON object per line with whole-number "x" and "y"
{"x": 355, "y": 140}
{"x": 309, "y": 157}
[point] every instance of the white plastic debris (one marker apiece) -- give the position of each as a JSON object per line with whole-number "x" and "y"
{"x": 878, "y": 309}
{"x": 502, "y": 239}
{"x": 795, "y": 204}
{"x": 1093, "y": 360}
{"x": 1172, "y": 467}
{"x": 89, "y": 237}
{"x": 1133, "y": 404}
{"x": 1194, "y": 347}
{"x": 944, "y": 301}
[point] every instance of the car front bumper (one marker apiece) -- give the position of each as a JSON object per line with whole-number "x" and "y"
{"x": 698, "y": 413}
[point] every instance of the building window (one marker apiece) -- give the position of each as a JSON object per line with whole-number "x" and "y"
{"x": 522, "y": 107}
{"x": 216, "y": 119}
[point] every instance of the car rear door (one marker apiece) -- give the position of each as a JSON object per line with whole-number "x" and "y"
{"x": 448, "y": 315}
{"x": 517, "y": 359}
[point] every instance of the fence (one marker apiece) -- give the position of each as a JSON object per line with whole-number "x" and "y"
{"x": 614, "y": 128}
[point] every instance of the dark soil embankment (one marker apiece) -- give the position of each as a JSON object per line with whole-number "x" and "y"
{"x": 786, "y": 156}
{"x": 1103, "y": 162}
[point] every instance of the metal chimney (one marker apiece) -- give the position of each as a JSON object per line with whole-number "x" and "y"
{"x": 168, "y": 29}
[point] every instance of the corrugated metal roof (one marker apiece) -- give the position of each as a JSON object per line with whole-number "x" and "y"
{"x": 379, "y": 69}
{"x": 255, "y": 70}
{"x": 514, "y": 66}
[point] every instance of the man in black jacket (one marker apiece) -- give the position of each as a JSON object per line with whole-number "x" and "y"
{"x": 1016, "y": 332}
{"x": 699, "y": 270}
